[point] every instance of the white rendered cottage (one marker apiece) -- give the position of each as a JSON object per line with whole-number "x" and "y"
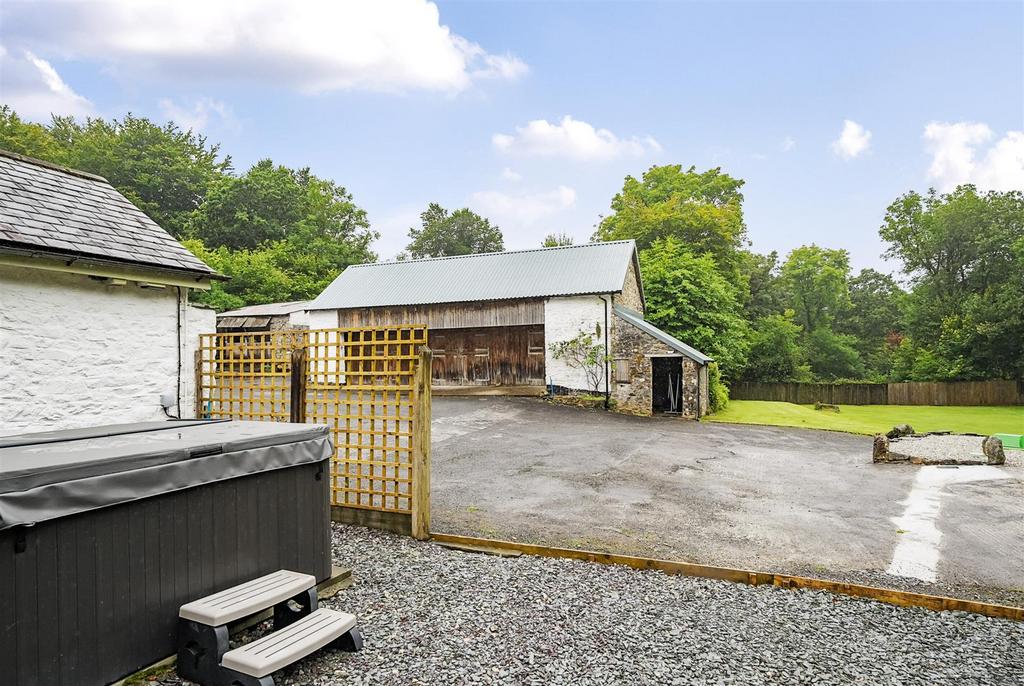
{"x": 494, "y": 318}
{"x": 95, "y": 321}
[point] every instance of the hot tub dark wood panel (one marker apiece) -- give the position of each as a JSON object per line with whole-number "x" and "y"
{"x": 94, "y": 596}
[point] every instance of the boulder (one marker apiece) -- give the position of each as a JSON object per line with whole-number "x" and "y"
{"x": 993, "y": 449}
{"x": 901, "y": 430}
{"x": 880, "y": 449}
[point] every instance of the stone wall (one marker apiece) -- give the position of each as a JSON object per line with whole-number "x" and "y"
{"x": 76, "y": 351}
{"x": 636, "y": 347}
{"x": 630, "y": 295}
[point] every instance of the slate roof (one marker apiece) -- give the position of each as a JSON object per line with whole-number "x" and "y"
{"x": 637, "y": 320}
{"x": 53, "y": 210}
{"x": 542, "y": 272}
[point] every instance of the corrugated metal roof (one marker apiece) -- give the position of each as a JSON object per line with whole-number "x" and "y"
{"x": 538, "y": 273}
{"x": 637, "y": 320}
{"x": 267, "y": 310}
{"x": 49, "y": 209}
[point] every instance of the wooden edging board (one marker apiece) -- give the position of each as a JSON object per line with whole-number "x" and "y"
{"x": 742, "y": 576}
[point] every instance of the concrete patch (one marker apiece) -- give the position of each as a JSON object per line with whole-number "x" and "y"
{"x": 918, "y": 552}
{"x": 444, "y": 428}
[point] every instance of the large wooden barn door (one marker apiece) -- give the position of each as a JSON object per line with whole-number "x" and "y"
{"x": 493, "y": 355}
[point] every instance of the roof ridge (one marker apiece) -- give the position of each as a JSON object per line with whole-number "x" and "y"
{"x": 496, "y": 252}
{"x": 51, "y": 165}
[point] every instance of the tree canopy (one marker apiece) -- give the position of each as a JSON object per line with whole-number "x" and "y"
{"x": 688, "y": 298}
{"x": 701, "y": 210}
{"x": 443, "y": 233}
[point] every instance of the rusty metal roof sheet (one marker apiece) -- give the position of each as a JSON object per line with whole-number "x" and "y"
{"x": 542, "y": 272}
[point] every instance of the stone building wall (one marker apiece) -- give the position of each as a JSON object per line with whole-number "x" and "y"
{"x": 630, "y": 295}
{"x": 77, "y": 351}
{"x": 636, "y": 348}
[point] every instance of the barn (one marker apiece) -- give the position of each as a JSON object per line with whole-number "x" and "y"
{"x": 496, "y": 321}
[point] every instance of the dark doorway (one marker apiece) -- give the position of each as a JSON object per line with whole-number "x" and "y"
{"x": 666, "y": 384}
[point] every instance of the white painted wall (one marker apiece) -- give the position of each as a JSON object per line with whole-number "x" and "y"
{"x": 564, "y": 318}
{"x": 323, "y": 319}
{"x": 77, "y": 352}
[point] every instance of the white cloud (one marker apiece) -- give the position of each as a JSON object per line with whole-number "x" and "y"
{"x": 34, "y": 89}
{"x": 516, "y": 210}
{"x": 197, "y": 116}
{"x": 510, "y": 174}
{"x": 787, "y": 144}
{"x": 853, "y": 141}
{"x": 954, "y": 147}
{"x": 310, "y": 45}
{"x": 573, "y": 139}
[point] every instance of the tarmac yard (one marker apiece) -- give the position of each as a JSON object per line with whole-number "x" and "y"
{"x": 764, "y": 498}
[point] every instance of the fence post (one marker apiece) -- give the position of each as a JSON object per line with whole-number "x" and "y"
{"x": 421, "y": 447}
{"x": 297, "y": 399}
{"x": 198, "y": 390}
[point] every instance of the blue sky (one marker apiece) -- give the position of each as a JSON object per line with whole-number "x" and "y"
{"x": 532, "y": 113}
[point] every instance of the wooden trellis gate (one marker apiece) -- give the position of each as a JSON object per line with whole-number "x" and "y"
{"x": 371, "y": 386}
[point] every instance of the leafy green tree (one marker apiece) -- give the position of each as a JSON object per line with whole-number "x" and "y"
{"x": 764, "y": 293}
{"x": 701, "y": 210}
{"x": 26, "y": 138}
{"x": 874, "y": 317}
{"x": 832, "y": 356}
{"x": 688, "y": 297}
{"x": 962, "y": 252}
{"x": 815, "y": 282}
{"x": 293, "y": 228}
{"x": 461, "y": 232}
{"x": 554, "y": 240}
{"x": 776, "y": 353}
{"x": 245, "y": 212}
{"x": 255, "y": 277}
{"x": 163, "y": 170}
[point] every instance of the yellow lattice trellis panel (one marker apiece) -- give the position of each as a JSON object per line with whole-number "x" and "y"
{"x": 360, "y": 382}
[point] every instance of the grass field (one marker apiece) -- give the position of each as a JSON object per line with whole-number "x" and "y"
{"x": 872, "y": 419}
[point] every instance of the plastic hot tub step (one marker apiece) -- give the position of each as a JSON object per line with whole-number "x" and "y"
{"x": 282, "y": 648}
{"x": 247, "y": 599}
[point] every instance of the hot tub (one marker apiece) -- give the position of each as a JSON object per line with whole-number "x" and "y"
{"x": 105, "y": 532}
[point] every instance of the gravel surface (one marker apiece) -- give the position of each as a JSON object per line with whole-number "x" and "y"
{"x": 431, "y": 615}
{"x": 948, "y": 447}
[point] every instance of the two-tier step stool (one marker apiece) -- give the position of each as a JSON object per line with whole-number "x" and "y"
{"x": 300, "y": 629}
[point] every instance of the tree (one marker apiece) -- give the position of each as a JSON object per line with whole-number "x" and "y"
{"x": 814, "y": 280}
{"x": 775, "y": 351}
{"x": 701, "y": 210}
{"x": 875, "y": 315}
{"x": 554, "y": 240}
{"x": 461, "y": 232}
{"x": 764, "y": 294}
{"x": 963, "y": 254}
{"x": 245, "y": 212}
{"x": 164, "y": 171}
{"x": 832, "y": 356}
{"x": 293, "y": 229}
{"x": 688, "y": 298}
{"x": 581, "y": 352}
{"x": 26, "y": 138}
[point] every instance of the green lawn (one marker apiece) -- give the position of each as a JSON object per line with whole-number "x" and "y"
{"x": 872, "y": 419}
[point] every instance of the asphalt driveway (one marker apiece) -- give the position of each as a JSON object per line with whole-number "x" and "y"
{"x": 773, "y": 499}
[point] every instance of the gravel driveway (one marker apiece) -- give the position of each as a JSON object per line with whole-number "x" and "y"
{"x": 431, "y": 615}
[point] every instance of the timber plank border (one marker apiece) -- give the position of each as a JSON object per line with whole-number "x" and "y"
{"x": 743, "y": 576}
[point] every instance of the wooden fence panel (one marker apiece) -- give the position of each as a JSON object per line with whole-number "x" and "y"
{"x": 365, "y": 384}
{"x": 994, "y": 392}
